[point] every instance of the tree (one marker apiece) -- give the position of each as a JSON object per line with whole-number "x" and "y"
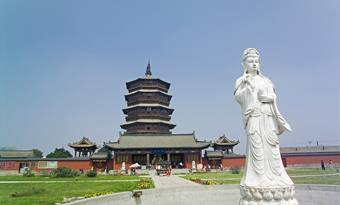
{"x": 105, "y": 149}
{"x": 59, "y": 153}
{"x": 37, "y": 153}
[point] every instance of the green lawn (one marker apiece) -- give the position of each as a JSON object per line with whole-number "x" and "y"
{"x": 80, "y": 178}
{"x": 228, "y": 178}
{"x": 54, "y": 192}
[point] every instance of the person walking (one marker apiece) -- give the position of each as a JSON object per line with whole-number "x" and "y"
{"x": 331, "y": 164}
{"x": 322, "y": 165}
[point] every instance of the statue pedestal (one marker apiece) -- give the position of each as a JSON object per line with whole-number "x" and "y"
{"x": 262, "y": 195}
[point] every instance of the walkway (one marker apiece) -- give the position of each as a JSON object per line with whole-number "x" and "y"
{"x": 171, "y": 181}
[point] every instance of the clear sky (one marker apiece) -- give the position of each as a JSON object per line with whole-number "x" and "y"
{"x": 64, "y": 64}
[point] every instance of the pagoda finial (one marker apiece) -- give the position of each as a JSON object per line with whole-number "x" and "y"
{"x": 148, "y": 70}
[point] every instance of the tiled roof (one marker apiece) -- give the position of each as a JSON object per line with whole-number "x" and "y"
{"x": 17, "y": 154}
{"x": 214, "y": 154}
{"x": 172, "y": 125}
{"x": 219, "y": 154}
{"x": 147, "y": 78}
{"x": 84, "y": 142}
{"x": 157, "y": 141}
{"x": 148, "y": 91}
{"x": 148, "y": 105}
{"x": 99, "y": 155}
{"x": 225, "y": 141}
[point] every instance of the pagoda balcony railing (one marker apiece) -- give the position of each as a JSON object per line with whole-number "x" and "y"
{"x": 147, "y": 116}
{"x": 151, "y": 87}
{"x": 148, "y": 101}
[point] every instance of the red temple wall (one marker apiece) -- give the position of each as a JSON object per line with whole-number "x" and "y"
{"x": 316, "y": 159}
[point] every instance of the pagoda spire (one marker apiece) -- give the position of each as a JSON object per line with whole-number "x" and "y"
{"x": 148, "y": 70}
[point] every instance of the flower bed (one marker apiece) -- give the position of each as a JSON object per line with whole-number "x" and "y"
{"x": 208, "y": 182}
{"x": 144, "y": 183}
{"x": 98, "y": 194}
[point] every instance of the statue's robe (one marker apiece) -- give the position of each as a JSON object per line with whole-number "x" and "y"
{"x": 263, "y": 123}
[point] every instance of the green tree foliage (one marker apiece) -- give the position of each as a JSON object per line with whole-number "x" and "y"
{"x": 59, "y": 153}
{"x": 37, "y": 153}
{"x": 105, "y": 149}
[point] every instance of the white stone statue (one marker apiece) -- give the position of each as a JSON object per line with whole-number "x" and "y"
{"x": 265, "y": 179}
{"x": 123, "y": 166}
{"x": 193, "y": 165}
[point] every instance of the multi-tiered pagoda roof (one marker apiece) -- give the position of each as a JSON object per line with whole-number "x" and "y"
{"x": 148, "y": 110}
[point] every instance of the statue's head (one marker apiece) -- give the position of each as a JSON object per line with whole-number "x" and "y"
{"x": 251, "y": 60}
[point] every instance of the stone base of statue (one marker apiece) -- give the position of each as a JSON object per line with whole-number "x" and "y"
{"x": 263, "y": 196}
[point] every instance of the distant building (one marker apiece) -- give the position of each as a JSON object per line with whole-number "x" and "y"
{"x": 223, "y": 151}
{"x": 84, "y": 147}
{"x": 12, "y": 154}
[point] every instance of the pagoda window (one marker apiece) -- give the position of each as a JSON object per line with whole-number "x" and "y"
{"x": 148, "y": 109}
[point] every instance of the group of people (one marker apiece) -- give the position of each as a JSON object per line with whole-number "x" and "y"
{"x": 323, "y": 165}
{"x": 177, "y": 165}
{"x": 206, "y": 168}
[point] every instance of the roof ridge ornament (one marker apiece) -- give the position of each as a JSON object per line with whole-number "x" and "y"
{"x": 148, "y": 70}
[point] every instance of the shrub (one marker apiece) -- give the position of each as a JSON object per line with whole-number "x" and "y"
{"x": 235, "y": 169}
{"x": 28, "y": 173}
{"x": 62, "y": 172}
{"x": 76, "y": 173}
{"x": 91, "y": 173}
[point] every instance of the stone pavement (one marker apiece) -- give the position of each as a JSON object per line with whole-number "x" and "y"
{"x": 171, "y": 181}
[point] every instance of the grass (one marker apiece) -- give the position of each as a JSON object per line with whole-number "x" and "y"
{"x": 215, "y": 175}
{"x": 54, "y": 192}
{"x": 80, "y": 178}
{"x": 228, "y": 178}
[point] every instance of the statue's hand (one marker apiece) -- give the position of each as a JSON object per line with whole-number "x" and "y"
{"x": 266, "y": 98}
{"x": 248, "y": 79}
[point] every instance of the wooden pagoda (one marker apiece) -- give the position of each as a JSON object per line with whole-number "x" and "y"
{"x": 148, "y": 138}
{"x": 148, "y": 110}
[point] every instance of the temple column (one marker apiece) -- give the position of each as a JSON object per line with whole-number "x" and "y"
{"x": 75, "y": 153}
{"x": 168, "y": 157}
{"x": 147, "y": 161}
{"x": 200, "y": 158}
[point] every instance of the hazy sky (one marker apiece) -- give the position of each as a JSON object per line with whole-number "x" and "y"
{"x": 64, "y": 64}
